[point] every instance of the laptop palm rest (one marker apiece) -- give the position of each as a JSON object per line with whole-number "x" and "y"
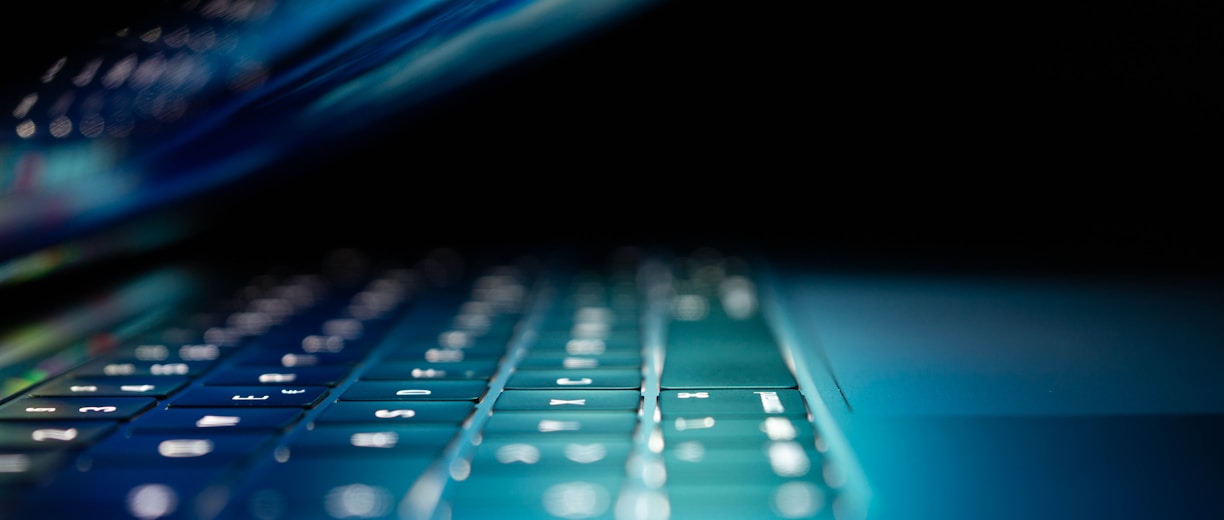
{"x": 1025, "y": 397}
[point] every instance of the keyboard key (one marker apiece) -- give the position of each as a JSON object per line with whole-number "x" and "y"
{"x": 575, "y": 379}
{"x": 276, "y": 375}
{"x": 105, "y": 368}
{"x": 447, "y": 355}
{"x": 56, "y": 435}
{"x": 586, "y": 495}
{"x": 695, "y": 461}
{"x": 165, "y": 448}
{"x": 111, "y": 387}
{"x": 124, "y": 492}
{"x": 511, "y": 454}
{"x": 560, "y": 360}
{"x": 455, "y": 340}
{"x": 397, "y": 412}
{"x": 374, "y": 440}
{"x": 175, "y": 353}
{"x": 797, "y": 499}
{"x": 312, "y": 486}
{"x": 27, "y": 467}
{"x": 415, "y": 391}
{"x": 74, "y": 408}
{"x": 249, "y": 396}
{"x": 723, "y": 353}
{"x": 720, "y": 403}
{"x": 569, "y": 400}
{"x": 413, "y": 370}
{"x": 726, "y": 430}
{"x": 216, "y": 419}
{"x": 291, "y": 359}
{"x": 559, "y": 424}
{"x": 587, "y": 346}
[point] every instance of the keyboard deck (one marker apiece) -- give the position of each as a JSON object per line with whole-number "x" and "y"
{"x": 634, "y": 385}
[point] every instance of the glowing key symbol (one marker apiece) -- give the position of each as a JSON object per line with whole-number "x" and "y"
{"x": 204, "y": 352}
{"x": 698, "y": 395}
{"x": 587, "y": 347}
{"x": 217, "y": 421}
{"x": 548, "y": 425}
{"x": 428, "y": 373}
{"x": 182, "y": 448}
{"x": 294, "y": 391}
{"x": 413, "y": 391}
{"x": 152, "y": 352}
{"x": 315, "y": 344}
{"x": 779, "y": 429}
{"x": 374, "y": 439}
{"x": 53, "y": 434}
{"x": 277, "y": 378}
{"x": 770, "y": 402}
{"x": 585, "y": 453}
{"x": 565, "y": 381}
{"x": 39, "y": 410}
{"x": 83, "y": 388}
{"x": 440, "y": 355}
{"x": 572, "y": 362}
{"x": 522, "y": 453}
{"x": 690, "y": 451}
{"x": 694, "y": 424}
{"x": 788, "y": 459}
{"x": 299, "y": 360}
{"x": 18, "y": 463}
{"x": 390, "y": 414}
{"x": 119, "y": 369}
{"x": 169, "y": 369}
{"x": 575, "y": 500}
{"x": 560, "y": 402}
{"x": 100, "y": 409}
{"x": 136, "y": 388}
{"x": 250, "y": 398}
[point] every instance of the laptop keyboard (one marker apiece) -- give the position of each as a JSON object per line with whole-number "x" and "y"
{"x": 633, "y": 386}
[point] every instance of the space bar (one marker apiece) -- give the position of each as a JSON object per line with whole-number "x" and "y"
{"x": 719, "y": 352}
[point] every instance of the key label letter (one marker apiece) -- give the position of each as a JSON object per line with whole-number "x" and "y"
{"x": 391, "y": 414}
{"x": 45, "y": 434}
{"x": 277, "y": 378}
{"x": 216, "y": 421}
{"x": 770, "y": 402}
{"x": 523, "y": 453}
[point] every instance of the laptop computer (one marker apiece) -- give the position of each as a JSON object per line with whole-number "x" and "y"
{"x": 369, "y": 261}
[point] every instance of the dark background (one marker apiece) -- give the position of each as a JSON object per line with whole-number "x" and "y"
{"x": 1069, "y": 136}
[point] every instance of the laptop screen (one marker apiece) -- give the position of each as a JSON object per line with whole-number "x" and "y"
{"x": 197, "y": 95}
